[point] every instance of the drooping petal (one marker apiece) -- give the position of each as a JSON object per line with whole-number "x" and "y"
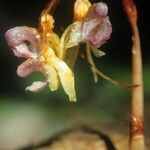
{"x": 36, "y": 86}
{"x": 96, "y": 27}
{"x": 64, "y": 73}
{"x": 29, "y": 66}
{"x": 52, "y": 77}
{"x": 66, "y": 78}
{"x": 23, "y": 41}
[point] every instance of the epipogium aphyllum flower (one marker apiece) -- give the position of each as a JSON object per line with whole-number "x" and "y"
{"x": 46, "y": 52}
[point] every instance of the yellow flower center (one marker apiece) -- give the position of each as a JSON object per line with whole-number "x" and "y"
{"x": 47, "y": 36}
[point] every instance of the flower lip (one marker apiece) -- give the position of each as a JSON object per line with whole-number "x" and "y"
{"x": 16, "y": 35}
{"x": 102, "y": 9}
{"x": 96, "y": 27}
{"x": 28, "y": 67}
{"x": 23, "y": 41}
{"x": 102, "y": 34}
{"x": 97, "y": 9}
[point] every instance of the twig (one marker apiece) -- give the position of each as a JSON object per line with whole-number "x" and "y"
{"x": 137, "y": 102}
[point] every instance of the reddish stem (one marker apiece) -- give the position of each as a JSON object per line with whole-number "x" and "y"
{"x": 51, "y": 6}
{"x": 137, "y": 101}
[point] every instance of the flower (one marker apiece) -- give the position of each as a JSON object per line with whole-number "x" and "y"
{"x": 40, "y": 48}
{"x": 53, "y": 56}
{"x": 92, "y": 26}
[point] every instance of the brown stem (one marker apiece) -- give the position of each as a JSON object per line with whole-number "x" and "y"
{"x": 51, "y": 6}
{"x": 137, "y": 101}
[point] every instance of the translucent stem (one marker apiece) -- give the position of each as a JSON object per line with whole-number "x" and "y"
{"x": 51, "y": 6}
{"x": 115, "y": 82}
{"x": 137, "y": 100}
{"x": 107, "y": 78}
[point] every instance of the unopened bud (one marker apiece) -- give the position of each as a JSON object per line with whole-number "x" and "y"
{"x": 81, "y": 8}
{"x": 47, "y": 22}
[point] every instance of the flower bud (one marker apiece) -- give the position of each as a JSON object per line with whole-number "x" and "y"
{"x": 81, "y": 8}
{"x": 47, "y": 23}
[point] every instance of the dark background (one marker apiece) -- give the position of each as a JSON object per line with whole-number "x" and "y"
{"x": 101, "y": 104}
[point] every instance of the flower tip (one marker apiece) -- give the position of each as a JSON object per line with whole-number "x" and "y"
{"x": 72, "y": 99}
{"x": 47, "y": 22}
{"x": 53, "y": 88}
{"x": 81, "y": 8}
{"x": 103, "y": 9}
{"x": 36, "y": 86}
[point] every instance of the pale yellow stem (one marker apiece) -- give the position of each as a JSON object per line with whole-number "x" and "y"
{"x": 137, "y": 141}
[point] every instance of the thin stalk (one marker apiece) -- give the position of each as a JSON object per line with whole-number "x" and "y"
{"x": 115, "y": 82}
{"x": 107, "y": 78}
{"x": 51, "y": 6}
{"x": 137, "y": 102}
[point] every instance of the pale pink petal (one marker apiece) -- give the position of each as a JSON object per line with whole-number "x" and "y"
{"x": 23, "y": 41}
{"x": 29, "y": 66}
{"x": 96, "y": 27}
{"x": 23, "y": 51}
{"x": 101, "y": 34}
{"x": 97, "y": 10}
{"x": 36, "y": 86}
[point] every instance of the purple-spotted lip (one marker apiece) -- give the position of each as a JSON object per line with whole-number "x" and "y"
{"x": 99, "y": 10}
{"x": 96, "y": 26}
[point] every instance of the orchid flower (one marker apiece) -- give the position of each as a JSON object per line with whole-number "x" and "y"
{"x": 41, "y": 49}
{"x": 91, "y": 26}
{"x": 47, "y": 53}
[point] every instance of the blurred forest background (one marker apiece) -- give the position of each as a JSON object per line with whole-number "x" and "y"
{"x": 27, "y": 117}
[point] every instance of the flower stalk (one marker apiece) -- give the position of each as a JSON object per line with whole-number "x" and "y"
{"x": 137, "y": 99}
